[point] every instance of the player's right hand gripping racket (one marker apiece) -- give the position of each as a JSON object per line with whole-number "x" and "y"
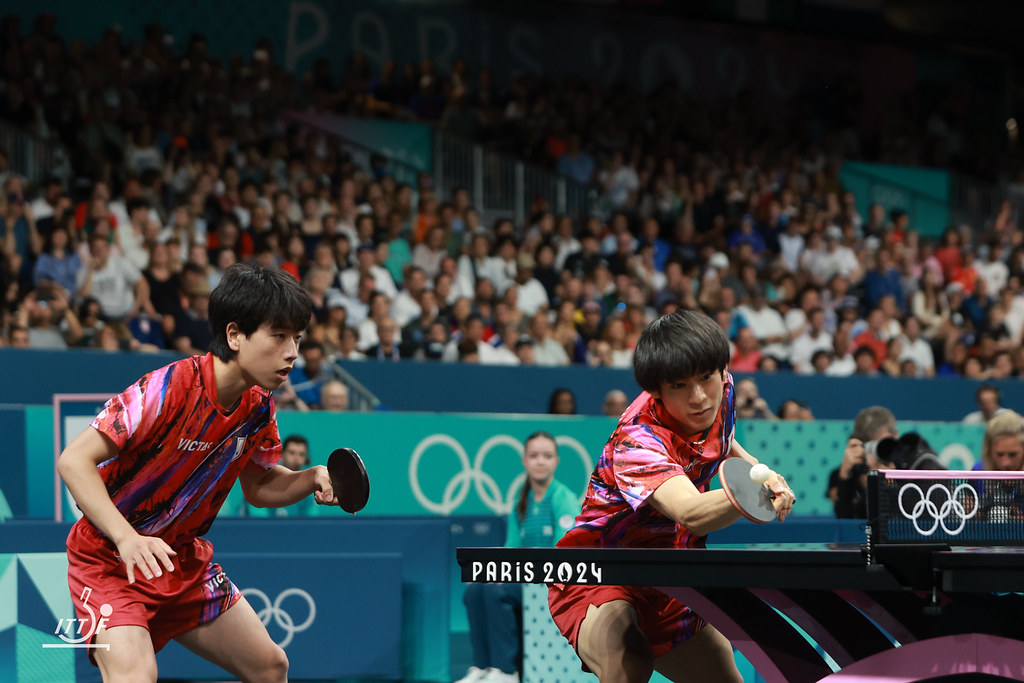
{"x": 349, "y": 480}
{"x": 753, "y": 500}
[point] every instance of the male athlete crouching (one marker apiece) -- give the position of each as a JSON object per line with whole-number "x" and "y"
{"x": 650, "y": 489}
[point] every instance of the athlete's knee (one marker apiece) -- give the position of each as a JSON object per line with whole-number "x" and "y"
{"x": 271, "y": 667}
{"x": 134, "y": 672}
{"x": 629, "y": 659}
{"x": 615, "y": 647}
{"x": 278, "y": 663}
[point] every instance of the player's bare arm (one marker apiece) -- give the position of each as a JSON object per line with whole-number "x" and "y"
{"x": 280, "y": 486}
{"x": 701, "y": 513}
{"x": 77, "y": 467}
{"x": 709, "y": 511}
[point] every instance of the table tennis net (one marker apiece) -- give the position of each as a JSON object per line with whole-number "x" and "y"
{"x": 959, "y": 508}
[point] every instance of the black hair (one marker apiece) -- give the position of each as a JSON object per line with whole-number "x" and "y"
{"x": 133, "y": 204}
{"x": 310, "y": 345}
{"x": 677, "y": 346}
{"x": 83, "y": 306}
{"x": 554, "y": 397}
{"x": 250, "y": 296}
{"x": 781, "y": 412}
{"x": 524, "y": 493}
{"x": 295, "y": 438}
{"x": 988, "y": 387}
{"x": 864, "y": 351}
{"x": 466, "y": 349}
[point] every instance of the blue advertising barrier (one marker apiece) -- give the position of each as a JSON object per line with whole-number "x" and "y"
{"x": 33, "y": 377}
{"x": 393, "y": 575}
{"x": 316, "y": 606}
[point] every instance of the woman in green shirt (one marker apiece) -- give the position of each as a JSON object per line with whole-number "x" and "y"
{"x": 544, "y": 511}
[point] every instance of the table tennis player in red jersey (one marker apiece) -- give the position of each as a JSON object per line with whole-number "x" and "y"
{"x": 153, "y": 469}
{"x": 650, "y": 489}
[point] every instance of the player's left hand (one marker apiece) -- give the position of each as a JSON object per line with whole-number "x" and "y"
{"x": 324, "y": 493}
{"x": 784, "y": 496}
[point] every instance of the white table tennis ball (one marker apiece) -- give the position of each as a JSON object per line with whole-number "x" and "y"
{"x": 759, "y": 473}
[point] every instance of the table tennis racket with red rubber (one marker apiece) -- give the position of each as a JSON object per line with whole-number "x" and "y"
{"x": 751, "y": 499}
{"x": 349, "y": 480}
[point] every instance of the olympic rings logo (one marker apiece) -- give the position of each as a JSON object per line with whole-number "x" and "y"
{"x": 490, "y": 493}
{"x": 951, "y": 507}
{"x": 273, "y": 610}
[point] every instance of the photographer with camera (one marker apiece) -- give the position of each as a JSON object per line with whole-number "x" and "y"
{"x": 848, "y": 482}
{"x": 875, "y": 444}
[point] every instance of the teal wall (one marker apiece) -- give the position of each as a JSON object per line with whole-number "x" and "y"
{"x": 404, "y": 141}
{"x": 922, "y": 192}
{"x": 443, "y": 464}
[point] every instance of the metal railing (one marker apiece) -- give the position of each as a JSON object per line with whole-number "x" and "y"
{"x": 31, "y": 156}
{"x": 360, "y": 399}
{"x": 501, "y": 186}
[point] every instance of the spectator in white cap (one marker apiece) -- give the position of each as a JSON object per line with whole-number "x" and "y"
{"x": 720, "y": 262}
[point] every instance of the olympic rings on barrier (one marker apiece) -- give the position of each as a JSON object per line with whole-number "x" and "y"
{"x": 490, "y": 493}
{"x": 273, "y": 610}
{"x": 951, "y": 507}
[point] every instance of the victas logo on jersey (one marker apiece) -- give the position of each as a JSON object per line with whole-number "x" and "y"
{"x": 193, "y": 445}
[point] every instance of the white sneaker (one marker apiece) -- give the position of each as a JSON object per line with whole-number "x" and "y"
{"x": 475, "y": 675}
{"x": 499, "y": 676}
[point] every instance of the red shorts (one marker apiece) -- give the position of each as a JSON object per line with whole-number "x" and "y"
{"x": 196, "y": 592}
{"x": 664, "y": 620}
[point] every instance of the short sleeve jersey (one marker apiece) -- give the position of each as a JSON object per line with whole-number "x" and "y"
{"x": 179, "y": 452}
{"x": 642, "y": 454}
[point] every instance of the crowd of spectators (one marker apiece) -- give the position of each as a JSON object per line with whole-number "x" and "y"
{"x": 183, "y": 167}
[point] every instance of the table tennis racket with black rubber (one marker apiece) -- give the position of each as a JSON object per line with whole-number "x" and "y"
{"x": 349, "y": 479}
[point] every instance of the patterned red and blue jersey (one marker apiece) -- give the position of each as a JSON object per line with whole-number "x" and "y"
{"x": 642, "y": 454}
{"x": 179, "y": 451}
